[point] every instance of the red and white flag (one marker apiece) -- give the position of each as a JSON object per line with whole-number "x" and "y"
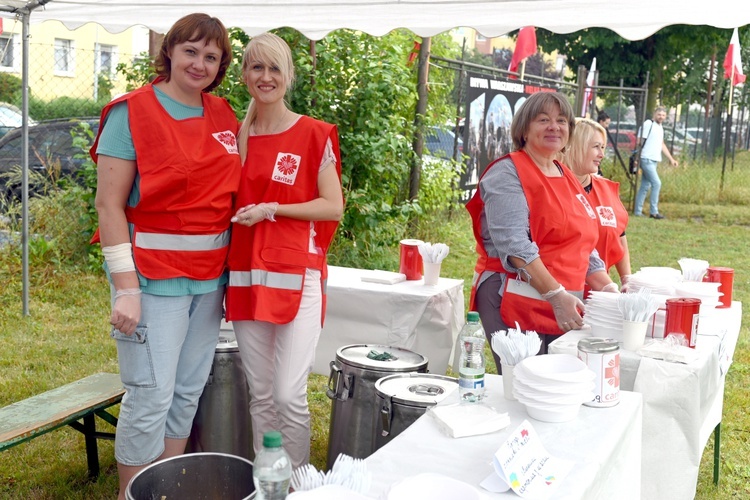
{"x": 589, "y": 93}
{"x": 733, "y": 61}
{"x": 525, "y": 47}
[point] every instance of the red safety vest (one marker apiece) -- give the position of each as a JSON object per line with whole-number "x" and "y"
{"x": 189, "y": 174}
{"x": 561, "y": 223}
{"x": 267, "y": 261}
{"x": 612, "y": 217}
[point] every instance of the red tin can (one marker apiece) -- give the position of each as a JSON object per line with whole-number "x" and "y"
{"x": 410, "y": 262}
{"x": 682, "y": 317}
{"x": 725, "y": 276}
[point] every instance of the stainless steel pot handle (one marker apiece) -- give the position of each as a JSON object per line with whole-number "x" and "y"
{"x": 332, "y": 391}
{"x": 386, "y": 415}
{"x": 336, "y": 391}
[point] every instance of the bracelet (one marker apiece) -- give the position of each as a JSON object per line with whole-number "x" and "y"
{"x": 127, "y": 291}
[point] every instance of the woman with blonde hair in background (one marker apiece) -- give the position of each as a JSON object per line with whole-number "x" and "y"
{"x": 290, "y": 203}
{"x": 583, "y": 157}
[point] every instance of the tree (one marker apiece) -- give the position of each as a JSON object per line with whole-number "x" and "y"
{"x": 364, "y": 85}
{"x": 672, "y": 57}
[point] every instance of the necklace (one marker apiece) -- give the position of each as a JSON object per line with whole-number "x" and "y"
{"x": 278, "y": 127}
{"x": 586, "y": 180}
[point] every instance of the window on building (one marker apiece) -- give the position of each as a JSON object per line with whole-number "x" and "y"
{"x": 64, "y": 57}
{"x": 9, "y": 52}
{"x": 106, "y": 59}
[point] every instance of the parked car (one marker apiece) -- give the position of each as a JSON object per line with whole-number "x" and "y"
{"x": 11, "y": 117}
{"x": 50, "y": 142}
{"x": 626, "y": 140}
{"x": 439, "y": 142}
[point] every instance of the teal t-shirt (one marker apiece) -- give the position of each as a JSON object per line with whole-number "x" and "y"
{"x": 116, "y": 141}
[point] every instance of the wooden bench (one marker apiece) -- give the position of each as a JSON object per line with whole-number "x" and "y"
{"x": 81, "y": 400}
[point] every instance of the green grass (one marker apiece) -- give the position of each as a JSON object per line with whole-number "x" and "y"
{"x": 66, "y": 336}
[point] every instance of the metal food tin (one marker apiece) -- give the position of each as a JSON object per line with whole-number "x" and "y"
{"x": 682, "y": 317}
{"x": 602, "y": 356}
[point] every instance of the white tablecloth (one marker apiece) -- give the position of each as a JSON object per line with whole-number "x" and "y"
{"x": 682, "y": 403}
{"x": 411, "y": 315}
{"x": 604, "y": 443}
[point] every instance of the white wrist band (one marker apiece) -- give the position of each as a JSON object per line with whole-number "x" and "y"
{"x": 119, "y": 258}
{"x": 553, "y": 292}
{"x": 127, "y": 291}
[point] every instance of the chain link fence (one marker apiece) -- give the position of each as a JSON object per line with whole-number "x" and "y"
{"x": 68, "y": 86}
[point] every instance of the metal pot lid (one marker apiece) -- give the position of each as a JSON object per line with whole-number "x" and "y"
{"x": 416, "y": 389}
{"x": 381, "y": 357}
{"x": 227, "y": 342}
{"x": 598, "y": 344}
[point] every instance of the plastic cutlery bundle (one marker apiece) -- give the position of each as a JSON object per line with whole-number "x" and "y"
{"x": 433, "y": 252}
{"x": 514, "y": 346}
{"x": 348, "y": 472}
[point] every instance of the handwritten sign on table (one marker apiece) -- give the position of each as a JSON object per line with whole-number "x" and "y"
{"x": 524, "y": 465}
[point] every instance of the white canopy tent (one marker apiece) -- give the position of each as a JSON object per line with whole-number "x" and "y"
{"x": 631, "y": 19}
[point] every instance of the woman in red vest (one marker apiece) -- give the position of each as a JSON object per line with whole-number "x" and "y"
{"x": 584, "y": 156}
{"x": 168, "y": 170}
{"x": 535, "y": 230}
{"x": 291, "y": 201}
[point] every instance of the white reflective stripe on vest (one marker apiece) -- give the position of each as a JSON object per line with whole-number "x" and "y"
{"x": 182, "y": 242}
{"x": 283, "y": 281}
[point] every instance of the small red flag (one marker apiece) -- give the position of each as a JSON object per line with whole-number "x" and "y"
{"x": 525, "y": 47}
{"x": 733, "y": 61}
{"x": 414, "y": 53}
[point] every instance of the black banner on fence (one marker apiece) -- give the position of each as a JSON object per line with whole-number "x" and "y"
{"x": 490, "y": 106}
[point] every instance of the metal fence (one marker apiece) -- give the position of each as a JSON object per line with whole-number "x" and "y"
{"x": 64, "y": 83}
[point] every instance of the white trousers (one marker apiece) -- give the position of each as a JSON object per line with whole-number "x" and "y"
{"x": 277, "y": 360}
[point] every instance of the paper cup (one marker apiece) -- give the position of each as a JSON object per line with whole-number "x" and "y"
{"x": 725, "y": 276}
{"x": 633, "y": 334}
{"x": 431, "y": 273}
{"x": 508, "y": 382}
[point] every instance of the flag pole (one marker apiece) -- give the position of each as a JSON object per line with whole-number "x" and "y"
{"x": 728, "y": 133}
{"x": 523, "y": 69}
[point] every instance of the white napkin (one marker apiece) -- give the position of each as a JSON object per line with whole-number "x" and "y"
{"x": 385, "y": 277}
{"x": 461, "y": 420}
{"x": 328, "y": 492}
{"x": 660, "y": 349}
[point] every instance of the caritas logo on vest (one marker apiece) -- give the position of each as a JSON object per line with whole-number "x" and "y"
{"x": 286, "y": 168}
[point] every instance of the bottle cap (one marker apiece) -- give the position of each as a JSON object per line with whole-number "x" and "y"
{"x": 472, "y": 316}
{"x": 272, "y": 439}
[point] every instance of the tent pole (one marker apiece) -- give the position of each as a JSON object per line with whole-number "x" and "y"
{"x": 25, "y": 160}
{"x": 418, "y": 144}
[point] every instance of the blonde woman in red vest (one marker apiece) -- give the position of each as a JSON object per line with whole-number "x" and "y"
{"x": 535, "y": 230}
{"x": 168, "y": 170}
{"x": 583, "y": 156}
{"x": 291, "y": 201}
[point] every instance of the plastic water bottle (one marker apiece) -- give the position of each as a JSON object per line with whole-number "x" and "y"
{"x": 272, "y": 469}
{"x": 472, "y": 363}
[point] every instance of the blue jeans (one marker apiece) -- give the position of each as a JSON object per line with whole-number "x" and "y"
{"x": 650, "y": 179}
{"x": 164, "y": 367}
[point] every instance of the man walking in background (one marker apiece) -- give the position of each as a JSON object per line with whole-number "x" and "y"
{"x": 652, "y": 147}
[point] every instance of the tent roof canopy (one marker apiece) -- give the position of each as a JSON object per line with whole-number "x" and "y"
{"x": 631, "y": 19}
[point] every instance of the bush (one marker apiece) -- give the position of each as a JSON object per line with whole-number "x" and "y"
{"x": 10, "y": 88}
{"x": 64, "y": 107}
